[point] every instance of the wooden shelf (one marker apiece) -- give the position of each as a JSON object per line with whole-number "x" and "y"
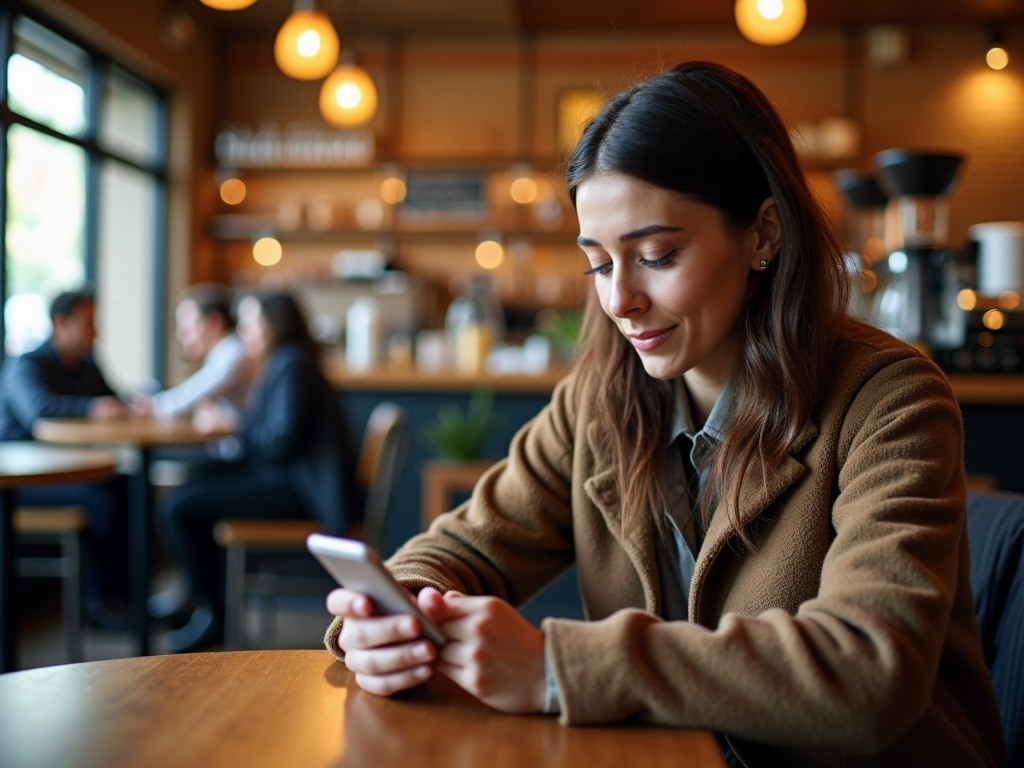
{"x": 981, "y": 388}
{"x": 442, "y": 381}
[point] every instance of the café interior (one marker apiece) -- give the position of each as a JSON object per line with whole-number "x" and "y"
{"x": 397, "y": 168}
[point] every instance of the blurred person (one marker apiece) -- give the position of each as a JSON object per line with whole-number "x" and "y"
{"x": 61, "y": 379}
{"x": 297, "y": 461}
{"x": 206, "y": 332}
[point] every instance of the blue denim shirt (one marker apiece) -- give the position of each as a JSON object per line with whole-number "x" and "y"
{"x": 677, "y": 556}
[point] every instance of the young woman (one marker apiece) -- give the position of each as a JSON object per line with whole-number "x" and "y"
{"x": 764, "y": 499}
{"x": 296, "y": 462}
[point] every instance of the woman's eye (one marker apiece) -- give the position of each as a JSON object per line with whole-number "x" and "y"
{"x": 600, "y": 269}
{"x": 663, "y": 261}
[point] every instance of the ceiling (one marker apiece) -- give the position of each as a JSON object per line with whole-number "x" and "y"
{"x": 462, "y": 17}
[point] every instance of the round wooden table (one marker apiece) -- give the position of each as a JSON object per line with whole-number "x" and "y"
{"x": 143, "y": 433}
{"x": 24, "y": 464}
{"x": 279, "y": 709}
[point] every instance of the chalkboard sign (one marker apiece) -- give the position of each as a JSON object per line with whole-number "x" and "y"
{"x": 457, "y": 192}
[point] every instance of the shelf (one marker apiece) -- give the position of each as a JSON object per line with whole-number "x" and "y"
{"x": 981, "y": 388}
{"x": 442, "y": 381}
{"x": 242, "y": 227}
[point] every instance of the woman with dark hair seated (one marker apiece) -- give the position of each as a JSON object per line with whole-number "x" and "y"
{"x": 296, "y": 460}
{"x": 763, "y": 497}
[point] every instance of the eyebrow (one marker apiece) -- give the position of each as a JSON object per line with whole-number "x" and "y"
{"x": 636, "y": 234}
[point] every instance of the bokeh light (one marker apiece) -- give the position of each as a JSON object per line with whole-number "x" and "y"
{"x": 267, "y": 251}
{"x": 490, "y": 254}
{"x": 232, "y": 191}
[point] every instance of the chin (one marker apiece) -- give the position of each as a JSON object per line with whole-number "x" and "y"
{"x": 660, "y": 368}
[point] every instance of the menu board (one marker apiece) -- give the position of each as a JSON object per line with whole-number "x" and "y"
{"x": 451, "y": 192}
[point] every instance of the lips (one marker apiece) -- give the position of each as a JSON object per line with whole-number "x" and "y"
{"x": 648, "y": 340}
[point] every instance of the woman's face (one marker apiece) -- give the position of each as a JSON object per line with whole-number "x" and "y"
{"x": 252, "y": 327}
{"x": 668, "y": 274}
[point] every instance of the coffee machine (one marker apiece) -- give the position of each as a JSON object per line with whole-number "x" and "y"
{"x": 919, "y": 304}
{"x": 864, "y": 238}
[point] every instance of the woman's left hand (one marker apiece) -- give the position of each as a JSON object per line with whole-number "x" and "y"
{"x": 493, "y": 653}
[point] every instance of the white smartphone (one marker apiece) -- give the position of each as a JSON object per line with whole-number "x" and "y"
{"x": 355, "y": 566}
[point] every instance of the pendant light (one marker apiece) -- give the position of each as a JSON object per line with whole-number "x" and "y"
{"x": 306, "y": 46}
{"x": 996, "y": 56}
{"x": 348, "y": 97}
{"x": 228, "y": 5}
{"x": 770, "y": 22}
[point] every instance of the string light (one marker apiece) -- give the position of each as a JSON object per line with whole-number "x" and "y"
{"x": 770, "y": 22}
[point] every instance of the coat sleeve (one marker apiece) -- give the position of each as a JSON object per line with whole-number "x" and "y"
{"x": 276, "y": 431}
{"x": 855, "y": 666}
{"x": 31, "y": 397}
{"x": 514, "y": 535}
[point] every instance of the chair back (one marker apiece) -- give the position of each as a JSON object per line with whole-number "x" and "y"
{"x": 995, "y": 523}
{"x": 381, "y": 458}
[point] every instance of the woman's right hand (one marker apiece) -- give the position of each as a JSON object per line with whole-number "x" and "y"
{"x": 386, "y": 653}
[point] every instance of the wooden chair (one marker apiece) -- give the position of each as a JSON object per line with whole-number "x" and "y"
{"x": 63, "y": 526}
{"x": 381, "y": 459}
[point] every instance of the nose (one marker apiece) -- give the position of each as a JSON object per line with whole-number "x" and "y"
{"x": 627, "y": 298}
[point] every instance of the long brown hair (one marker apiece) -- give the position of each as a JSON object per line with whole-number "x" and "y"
{"x": 706, "y": 131}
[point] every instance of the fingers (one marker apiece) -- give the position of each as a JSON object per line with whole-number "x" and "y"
{"x": 349, "y": 604}
{"x": 379, "y": 662}
{"x": 362, "y": 634}
{"x": 385, "y": 685}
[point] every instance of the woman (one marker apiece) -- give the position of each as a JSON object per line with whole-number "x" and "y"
{"x": 764, "y": 499}
{"x": 296, "y": 460}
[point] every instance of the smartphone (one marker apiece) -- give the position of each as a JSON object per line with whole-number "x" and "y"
{"x": 355, "y": 566}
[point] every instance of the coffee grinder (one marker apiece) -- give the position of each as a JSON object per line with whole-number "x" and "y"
{"x": 913, "y": 306}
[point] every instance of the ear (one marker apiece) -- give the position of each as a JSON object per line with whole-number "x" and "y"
{"x": 766, "y": 235}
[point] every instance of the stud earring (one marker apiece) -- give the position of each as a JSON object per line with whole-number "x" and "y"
{"x": 764, "y": 264}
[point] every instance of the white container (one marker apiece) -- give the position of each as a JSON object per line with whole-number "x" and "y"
{"x": 1000, "y": 256}
{"x": 362, "y": 335}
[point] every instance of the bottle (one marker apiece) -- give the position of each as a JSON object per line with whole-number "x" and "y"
{"x": 474, "y": 323}
{"x": 362, "y": 335}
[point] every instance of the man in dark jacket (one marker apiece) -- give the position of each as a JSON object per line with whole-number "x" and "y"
{"x": 60, "y": 378}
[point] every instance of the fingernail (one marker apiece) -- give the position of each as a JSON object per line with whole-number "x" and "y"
{"x": 421, "y": 653}
{"x": 363, "y": 606}
{"x": 409, "y": 627}
{"x": 423, "y": 672}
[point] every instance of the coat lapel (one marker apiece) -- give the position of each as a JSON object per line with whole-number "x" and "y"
{"x": 758, "y": 489}
{"x": 603, "y": 492}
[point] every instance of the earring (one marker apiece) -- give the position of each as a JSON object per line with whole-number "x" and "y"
{"x": 764, "y": 264}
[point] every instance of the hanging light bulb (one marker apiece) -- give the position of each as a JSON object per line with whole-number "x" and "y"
{"x": 770, "y": 22}
{"x": 228, "y": 5}
{"x": 996, "y": 57}
{"x": 348, "y": 98}
{"x": 306, "y": 46}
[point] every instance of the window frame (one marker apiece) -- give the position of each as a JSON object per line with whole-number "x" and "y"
{"x": 98, "y": 63}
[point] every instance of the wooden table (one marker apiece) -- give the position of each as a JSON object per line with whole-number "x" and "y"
{"x": 279, "y": 709}
{"x": 24, "y": 464}
{"x": 143, "y": 434}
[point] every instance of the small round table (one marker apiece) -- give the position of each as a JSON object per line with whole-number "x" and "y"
{"x": 24, "y": 464}
{"x": 278, "y": 709}
{"x": 143, "y": 434}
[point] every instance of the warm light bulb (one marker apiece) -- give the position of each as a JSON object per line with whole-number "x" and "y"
{"x": 770, "y": 22}
{"x": 967, "y": 299}
{"x": 523, "y": 190}
{"x": 997, "y": 57}
{"x": 392, "y": 190}
{"x": 232, "y": 191}
{"x": 348, "y": 98}
{"x": 267, "y": 251}
{"x": 228, "y": 5}
{"x": 490, "y": 254}
{"x": 993, "y": 319}
{"x": 306, "y": 46}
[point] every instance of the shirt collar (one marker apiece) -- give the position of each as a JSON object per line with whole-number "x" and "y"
{"x": 682, "y": 416}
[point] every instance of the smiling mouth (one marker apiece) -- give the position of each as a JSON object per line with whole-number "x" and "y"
{"x": 648, "y": 340}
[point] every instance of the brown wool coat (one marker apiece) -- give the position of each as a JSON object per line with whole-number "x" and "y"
{"x": 845, "y": 638}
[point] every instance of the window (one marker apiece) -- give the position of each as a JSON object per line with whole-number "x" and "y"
{"x": 84, "y": 144}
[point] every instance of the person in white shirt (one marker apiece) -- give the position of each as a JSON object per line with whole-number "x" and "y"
{"x": 206, "y": 331}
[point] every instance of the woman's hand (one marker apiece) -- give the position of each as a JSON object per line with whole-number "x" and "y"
{"x": 493, "y": 653}
{"x": 209, "y": 417}
{"x": 386, "y": 653}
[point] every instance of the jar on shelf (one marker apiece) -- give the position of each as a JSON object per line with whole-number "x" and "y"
{"x": 474, "y": 324}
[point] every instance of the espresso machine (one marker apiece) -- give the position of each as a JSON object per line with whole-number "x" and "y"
{"x": 919, "y": 303}
{"x": 864, "y": 238}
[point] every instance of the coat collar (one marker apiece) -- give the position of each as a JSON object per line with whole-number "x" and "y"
{"x": 759, "y": 488}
